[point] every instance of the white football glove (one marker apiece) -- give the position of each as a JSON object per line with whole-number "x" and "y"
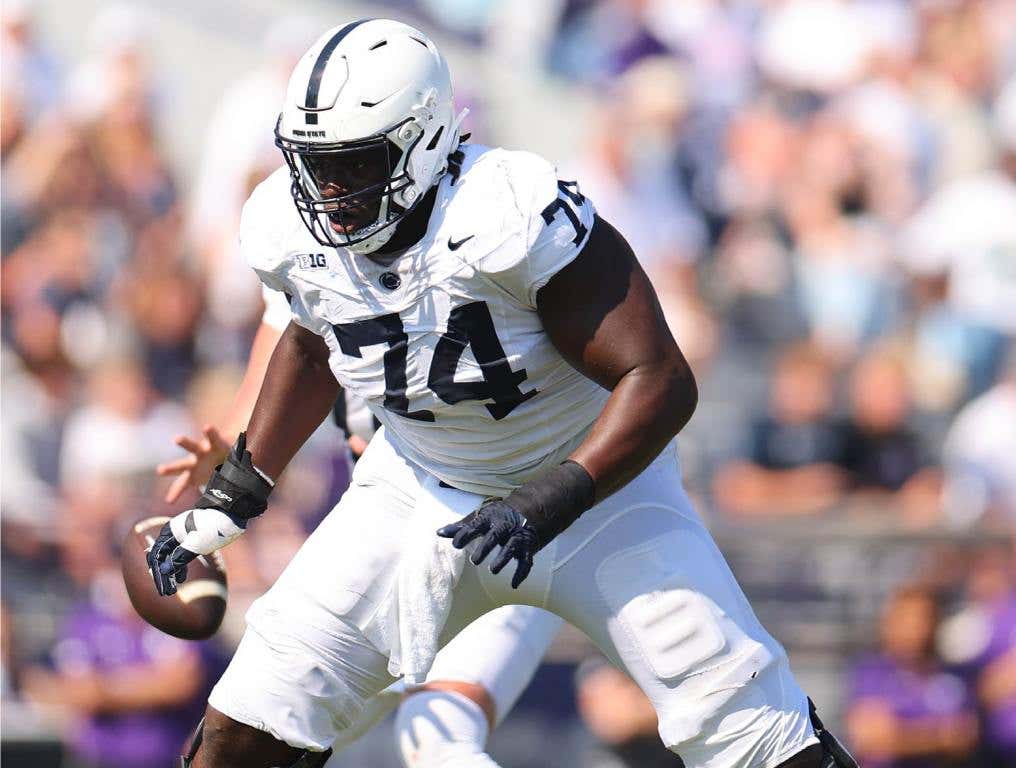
{"x": 189, "y": 534}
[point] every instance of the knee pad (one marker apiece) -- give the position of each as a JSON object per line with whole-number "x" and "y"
{"x": 305, "y": 760}
{"x": 442, "y": 729}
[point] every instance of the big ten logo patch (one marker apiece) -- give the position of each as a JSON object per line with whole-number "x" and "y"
{"x": 312, "y": 260}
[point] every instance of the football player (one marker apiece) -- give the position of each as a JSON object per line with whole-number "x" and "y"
{"x": 529, "y": 393}
{"x": 476, "y": 679}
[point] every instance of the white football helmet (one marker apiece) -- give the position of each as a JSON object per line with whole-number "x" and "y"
{"x": 366, "y": 128}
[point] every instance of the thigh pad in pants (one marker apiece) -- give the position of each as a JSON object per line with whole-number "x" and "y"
{"x": 681, "y": 626}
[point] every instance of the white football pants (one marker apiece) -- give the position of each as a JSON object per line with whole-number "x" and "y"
{"x": 500, "y": 651}
{"x": 638, "y": 573}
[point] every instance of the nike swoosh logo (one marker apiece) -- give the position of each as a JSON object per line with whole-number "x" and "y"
{"x": 454, "y": 246}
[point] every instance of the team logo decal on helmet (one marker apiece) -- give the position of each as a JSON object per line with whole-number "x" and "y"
{"x": 366, "y": 129}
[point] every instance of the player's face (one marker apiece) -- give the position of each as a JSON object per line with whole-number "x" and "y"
{"x": 354, "y": 178}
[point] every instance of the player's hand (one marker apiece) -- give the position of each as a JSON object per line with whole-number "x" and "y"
{"x": 236, "y": 492}
{"x": 193, "y": 470}
{"x": 189, "y": 534}
{"x": 498, "y": 523}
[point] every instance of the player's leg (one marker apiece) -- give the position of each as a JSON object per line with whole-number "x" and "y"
{"x": 443, "y": 728}
{"x": 304, "y": 670}
{"x": 475, "y": 681}
{"x": 654, "y": 594}
{"x": 641, "y": 576}
{"x": 222, "y": 742}
{"x": 375, "y": 709}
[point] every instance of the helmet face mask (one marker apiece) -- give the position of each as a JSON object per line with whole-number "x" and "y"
{"x": 348, "y": 192}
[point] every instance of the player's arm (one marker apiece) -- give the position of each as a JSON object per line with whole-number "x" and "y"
{"x": 616, "y": 335}
{"x": 206, "y": 453}
{"x": 265, "y": 341}
{"x": 297, "y": 394}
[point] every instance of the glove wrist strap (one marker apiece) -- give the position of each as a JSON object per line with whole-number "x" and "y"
{"x": 237, "y": 487}
{"x": 555, "y": 500}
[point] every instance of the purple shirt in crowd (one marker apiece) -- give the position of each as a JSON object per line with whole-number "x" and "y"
{"x": 910, "y": 696}
{"x": 1000, "y": 722}
{"x": 93, "y": 640}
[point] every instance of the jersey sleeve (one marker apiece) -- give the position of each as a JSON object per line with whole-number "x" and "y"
{"x": 263, "y": 248}
{"x": 260, "y": 245}
{"x": 277, "y": 312}
{"x": 552, "y": 222}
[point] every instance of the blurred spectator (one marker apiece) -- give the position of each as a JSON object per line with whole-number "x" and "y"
{"x": 996, "y": 673}
{"x": 240, "y": 138}
{"x": 118, "y": 71}
{"x": 715, "y": 39}
{"x": 955, "y": 59}
{"x": 841, "y": 256}
{"x": 631, "y": 168}
{"x": 814, "y": 46}
{"x": 163, "y": 302}
{"x": 980, "y": 640}
{"x": 36, "y": 177}
{"x": 758, "y": 158}
{"x": 882, "y": 453}
{"x": 790, "y": 467}
{"x": 905, "y": 709}
{"x": 621, "y": 718}
{"x": 140, "y": 185}
{"x": 754, "y": 283}
{"x": 122, "y": 431}
{"x": 979, "y": 453}
{"x": 55, "y": 280}
{"x": 131, "y": 693}
{"x": 29, "y": 442}
{"x": 598, "y": 40}
{"x": 27, "y": 64}
{"x": 961, "y": 244}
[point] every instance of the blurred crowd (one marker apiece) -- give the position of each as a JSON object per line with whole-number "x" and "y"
{"x": 823, "y": 191}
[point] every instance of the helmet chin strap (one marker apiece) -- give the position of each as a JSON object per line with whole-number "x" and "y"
{"x": 372, "y": 243}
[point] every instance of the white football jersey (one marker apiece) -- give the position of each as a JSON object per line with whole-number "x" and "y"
{"x": 277, "y": 313}
{"x": 359, "y": 419}
{"x": 444, "y": 342}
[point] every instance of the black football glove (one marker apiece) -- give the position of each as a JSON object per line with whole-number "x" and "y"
{"x": 498, "y": 523}
{"x": 526, "y": 520}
